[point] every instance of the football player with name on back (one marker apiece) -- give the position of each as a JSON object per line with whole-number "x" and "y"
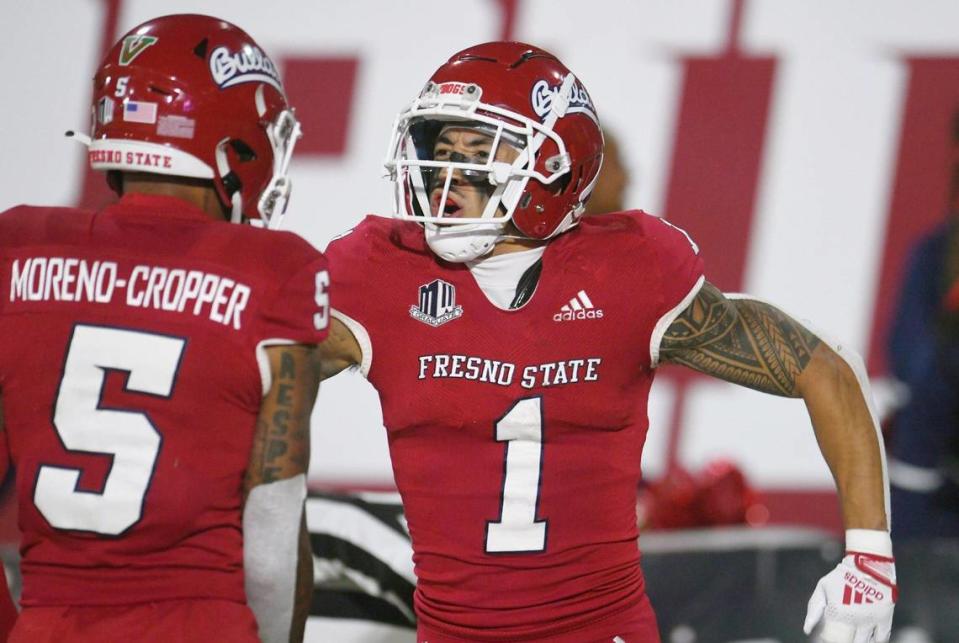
{"x": 158, "y": 364}
{"x": 510, "y": 340}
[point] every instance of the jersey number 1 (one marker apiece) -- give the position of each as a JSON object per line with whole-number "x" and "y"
{"x": 517, "y": 529}
{"x": 151, "y": 363}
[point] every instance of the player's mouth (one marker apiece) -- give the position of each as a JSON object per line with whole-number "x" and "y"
{"x": 451, "y": 208}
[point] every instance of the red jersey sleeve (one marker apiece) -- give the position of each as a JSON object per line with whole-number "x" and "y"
{"x": 352, "y": 257}
{"x": 299, "y": 310}
{"x": 681, "y": 275}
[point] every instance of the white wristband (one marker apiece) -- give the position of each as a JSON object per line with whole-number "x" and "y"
{"x": 869, "y": 541}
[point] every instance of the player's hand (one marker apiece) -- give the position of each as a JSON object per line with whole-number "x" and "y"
{"x": 855, "y": 601}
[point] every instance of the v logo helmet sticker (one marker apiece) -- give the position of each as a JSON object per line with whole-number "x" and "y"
{"x": 133, "y": 46}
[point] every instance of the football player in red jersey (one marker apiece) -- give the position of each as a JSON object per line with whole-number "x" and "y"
{"x": 158, "y": 365}
{"x": 510, "y": 341}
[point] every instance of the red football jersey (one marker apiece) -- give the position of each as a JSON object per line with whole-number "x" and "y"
{"x": 516, "y": 435}
{"x": 131, "y": 384}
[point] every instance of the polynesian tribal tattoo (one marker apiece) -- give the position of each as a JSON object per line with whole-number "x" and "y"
{"x": 741, "y": 341}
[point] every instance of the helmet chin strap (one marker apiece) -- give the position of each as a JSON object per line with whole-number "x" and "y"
{"x": 462, "y": 243}
{"x": 236, "y": 208}
{"x": 223, "y": 169}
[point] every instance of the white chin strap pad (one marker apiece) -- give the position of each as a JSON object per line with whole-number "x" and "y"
{"x": 461, "y": 243}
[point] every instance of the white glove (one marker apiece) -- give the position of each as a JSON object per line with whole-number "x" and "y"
{"x": 855, "y": 601}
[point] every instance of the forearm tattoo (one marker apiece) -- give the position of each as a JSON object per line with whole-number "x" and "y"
{"x": 280, "y": 448}
{"x": 741, "y": 341}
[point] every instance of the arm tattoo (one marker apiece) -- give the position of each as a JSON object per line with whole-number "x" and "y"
{"x": 339, "y": 351}
{"x": 741, "y": 341}
{"x": 280, "y": 445}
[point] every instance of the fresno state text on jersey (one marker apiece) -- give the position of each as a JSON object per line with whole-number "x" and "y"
{"x": 491, "y": 371}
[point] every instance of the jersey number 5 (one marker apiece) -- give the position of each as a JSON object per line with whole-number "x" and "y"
{"x": 321, "y": 319}
{"x": 151, "y": 362}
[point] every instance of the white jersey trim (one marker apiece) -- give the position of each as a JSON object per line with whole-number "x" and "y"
{"x": 666, "y": 321}
{"x": 854, "y": 361}
{"x": 362, "y": 338}
{"x": 263, "y": 362}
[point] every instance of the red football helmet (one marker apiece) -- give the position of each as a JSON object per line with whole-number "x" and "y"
{"x": 521, "y": 96}
{"x": 195, "y": 96}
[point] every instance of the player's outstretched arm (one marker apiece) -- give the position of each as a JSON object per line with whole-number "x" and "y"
{"x": 339, "y": 351}
{"x": 754, "y": 344}
{"x": 278, "y": 563}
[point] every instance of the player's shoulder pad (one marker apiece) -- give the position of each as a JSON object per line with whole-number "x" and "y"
{"x": 26, "y": 213}
{"x": 26, "y": 224}
{"x": 257, "y": 235}
{"x": 10, "y": 216}
{"x": 276, "y": 252}
{"x": 296, "y": 251}
{"x": 636, "y": 236}
{"x": 661, "y": 231}
{"x": 629, "y": 226}
{"x": 12, "y": 212}
{"x": 297, "y": 248}
{"x": 372, "y": 237}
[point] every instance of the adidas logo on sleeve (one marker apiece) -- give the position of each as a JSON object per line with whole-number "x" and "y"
{"x": 579, "y": 307}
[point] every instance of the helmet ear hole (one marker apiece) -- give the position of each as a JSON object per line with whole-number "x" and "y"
{"x": 243, "y": 151}
{"x": 578, "y": 183}
{"x": 567, "y": 180}
{"x": 200, "y": 49}
{"x": 559, "y": 187}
